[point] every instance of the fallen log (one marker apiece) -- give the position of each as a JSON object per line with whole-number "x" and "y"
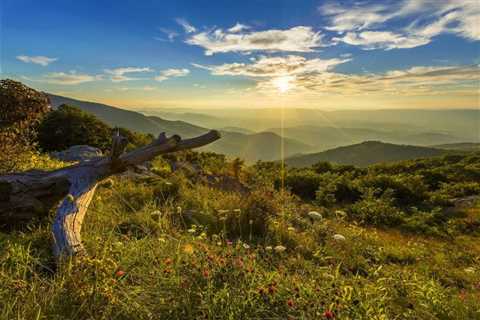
{"x": 24, "y": 196}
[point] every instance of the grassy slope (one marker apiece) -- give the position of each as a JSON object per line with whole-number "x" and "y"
{"x": 173, "y": 270}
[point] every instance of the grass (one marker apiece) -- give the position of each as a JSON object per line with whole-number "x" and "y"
{"x": 195, "y": 252}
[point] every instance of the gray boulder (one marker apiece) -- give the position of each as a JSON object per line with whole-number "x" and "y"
{"x": 78, "y": 153}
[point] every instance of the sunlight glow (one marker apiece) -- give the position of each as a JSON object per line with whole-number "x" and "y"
{"x": 284, "y": 83}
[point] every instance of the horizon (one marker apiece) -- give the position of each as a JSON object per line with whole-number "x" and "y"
{"x": 326, "y": 56}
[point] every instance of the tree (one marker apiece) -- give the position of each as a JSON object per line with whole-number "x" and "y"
{"x": 21, "y": 110}
{"x": 68, "y": 126}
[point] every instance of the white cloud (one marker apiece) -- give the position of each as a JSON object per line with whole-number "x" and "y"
{"x": 41, "y": 60}
{"x": 118, "y": 74}
{"x": 275, "y": 66}
{"x": 417, "y": 22}
{"x": 382, "y": 40}
{"x": 171, "y": 73}
{"x": 171, "y": 35}
{"x": 238, "y": 27}
{"x": 71, "y": 78}
{"x": 296, "y": 39}
{"x": 186, "y": 25}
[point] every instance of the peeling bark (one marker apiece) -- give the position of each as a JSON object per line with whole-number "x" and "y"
{"x": 24, "y": 196}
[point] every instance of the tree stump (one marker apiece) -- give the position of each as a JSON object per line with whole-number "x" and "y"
{"x": 23, "y": 196}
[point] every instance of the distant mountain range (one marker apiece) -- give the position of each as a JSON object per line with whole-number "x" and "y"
{"x": 301, "y": 141}
{"x": 364, "y": 154}
{"x": 251, "y": 147}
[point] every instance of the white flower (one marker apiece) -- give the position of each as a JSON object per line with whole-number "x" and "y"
{"x": 191, "y": 230}
{"x": 292, "y": 229}
{"x": 156, "y": 213}
{"x": 246, "y": 246}
{"x": 340, "y": 213}
{"x": 339, "y": 237}
{"x": 280, "y": 249}
{"x": 314, "y": 215}
{"x": 179, "y": 209}
{"x": 469, "y": 270}
{"x": 268, "y": 248}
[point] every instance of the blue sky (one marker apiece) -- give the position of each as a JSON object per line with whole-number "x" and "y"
{"x": 320, "y": 54}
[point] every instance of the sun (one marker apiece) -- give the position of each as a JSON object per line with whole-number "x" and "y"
{"x": 284, "y": 83}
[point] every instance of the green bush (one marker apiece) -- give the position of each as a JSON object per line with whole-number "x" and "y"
{"x": 376, "y": 211}
{"x": 68, "y": 126}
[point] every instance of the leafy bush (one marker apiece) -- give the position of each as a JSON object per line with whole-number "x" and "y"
{"x": 303, "y": 183}
{"x": 376, "y": 211}
{"x": 68, "y": 126}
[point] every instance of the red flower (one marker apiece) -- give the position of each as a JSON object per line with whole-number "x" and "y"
{"x": 290, "y": 303}
{"x": 119, "y": 273}
{"x": 329, "y": 314}
{"x": 205, "y": 273}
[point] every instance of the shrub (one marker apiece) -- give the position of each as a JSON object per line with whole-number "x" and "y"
{"x": 302, "y": 183}
{"x": 337, "y": 189}
{"x": 68, "y": 126}
{"x": 376, "y": 211}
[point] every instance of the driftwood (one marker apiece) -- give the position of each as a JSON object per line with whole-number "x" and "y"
{"x": 24, "y": 196}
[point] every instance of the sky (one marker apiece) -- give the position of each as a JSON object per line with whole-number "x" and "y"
{"x": 147, "y": 54}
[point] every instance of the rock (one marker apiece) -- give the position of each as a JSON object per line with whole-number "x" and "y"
{"x": 339, "y": 237}
{"x": 314, "y": 215}
{"x": 77, "y": 153}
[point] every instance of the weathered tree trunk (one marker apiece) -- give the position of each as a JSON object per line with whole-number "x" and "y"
{"x": 24, "y": 196}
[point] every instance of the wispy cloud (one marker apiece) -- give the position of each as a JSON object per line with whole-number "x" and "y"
{"x": 118, "y": 74}
{"x": 171, "y": 73}
{"x": 416, "y": 22}
{"x": 171, "y": 35}
{"x": 275, "y": 66}
{"x": 296, "y": 39}
{"x": 71, "y": 78}
{"x": 40, "y": 60}
{"x": 186, "y": 25}
{"x": 238, "y": 27}
{"x": 412, "y": 81}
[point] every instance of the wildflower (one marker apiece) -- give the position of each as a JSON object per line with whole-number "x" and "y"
{"x": 280, "y": 249}
{"x": 156, "y": 213}
{"x": 237, "y": 210}
{"x": 338, "y": 237}
{"x": 205, "y": 273}
{"x": 223, "y": 211}
{"x": 292, "y": 229}
{"x": 229, "y": 243}
{"x": 188, "y": 248}
{"x": 246, "y": 246}
{"x": 162, "y": 240}
{"x": 168, "y": 261}
{"x": 340, "y": 213}
{"x": 191, "y": 230}
{"x": 119, "y": 273}
{"x": 314, "y": 215}
{"x": 290, "y": 303}
{"x": 268, "y": 248}
{"x": 179, "y": 210}
{"x": 469, "y": 270}
{"x": 329, "y": 314}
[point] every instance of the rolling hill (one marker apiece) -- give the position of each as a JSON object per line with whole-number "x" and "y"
{"x": 464, "y": 146}
{"x": 323, "y": 138}
{"x": 364, "y": 154}
{"x": 251, "y": 147}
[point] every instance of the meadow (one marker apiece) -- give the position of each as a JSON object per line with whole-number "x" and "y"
{"x": 220, "y": 240}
